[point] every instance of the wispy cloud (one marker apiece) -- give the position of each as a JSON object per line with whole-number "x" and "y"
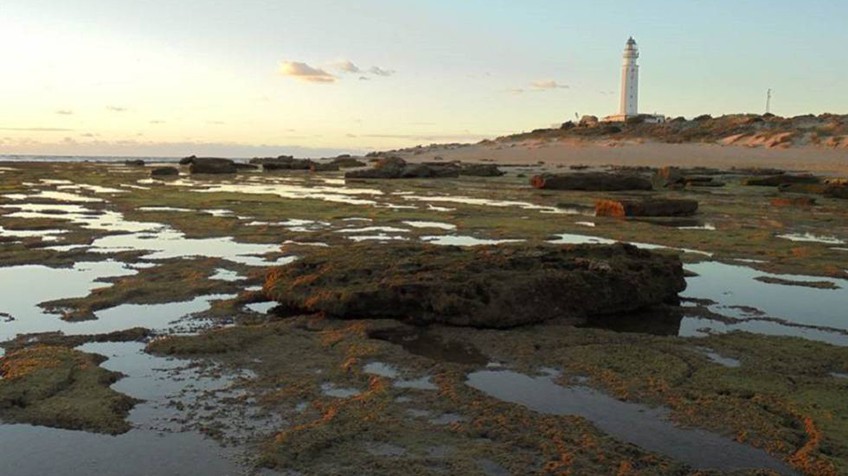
{"x": 116, "y": 109}
{"x": 35, "y": 129}
{"x": 547, "y": 84}
{"x": 65, "y": 112}
{"x": 378, "y": 71}
{"x": 157, "y": 121}
{"x": 346, "y": 66}
{"x": 349, "y": 67}
{"x": 304, "y": 72}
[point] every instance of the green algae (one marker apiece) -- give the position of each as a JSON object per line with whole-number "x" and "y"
{"x": 63, "y": 388}
{"x": 169, "y": 281}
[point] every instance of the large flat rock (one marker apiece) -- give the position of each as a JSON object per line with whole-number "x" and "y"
{"x": 487, "y": 286}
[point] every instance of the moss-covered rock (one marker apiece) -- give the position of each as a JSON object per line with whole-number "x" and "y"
{"x": 493, "y": 286}
{"x": 64, "y": 388}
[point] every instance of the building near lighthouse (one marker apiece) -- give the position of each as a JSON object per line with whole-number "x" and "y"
{"x": 629, "y": 101}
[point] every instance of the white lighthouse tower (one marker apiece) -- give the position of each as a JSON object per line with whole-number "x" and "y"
{"x": 629, "y": 105}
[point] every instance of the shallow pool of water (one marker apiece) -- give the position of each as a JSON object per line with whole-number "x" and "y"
{"x": 735, "y": 290}
{"x": 646, "y": 427}
{"x": 459, "y": 240}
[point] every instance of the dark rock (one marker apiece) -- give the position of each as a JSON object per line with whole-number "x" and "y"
{"x": 487, "y": 286}
{"x": 324, "y": 167}
{"x": 481, "y": 170}
{"x": 187, "y": 160}
{"x": 588, "y": 121}
{"x": 813, "y": 188}
{"x": 209, "y": 165}
{"x": 777, "y": 180}
{"x": 592, "y": 181}
{"x": 165, "y": 172}
{"x": 397, "y": 168}
{"x": 793, "y": 202}
{"x": 666, "y": 177}
{"x": 134, "y": 163}
{"x": 655, "y": 207}
{"x": 348, "y": 162}
{"x": 836, "y": 191}
{"x": 246, "y": 167}
{"x": 282, "y": 163}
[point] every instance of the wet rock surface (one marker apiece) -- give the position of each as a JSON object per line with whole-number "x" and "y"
{"x": 164, "y": 172}
{"x": 209, "y": 165}
{"x": 654, "y": 207}
{"x": 481, "y": 170}
{"x": 283, "y": 163}
{"x": 781, "y": 179}
{"x": 591, "y": 181}
{"x": 59, "y": 387}
{"x": 488, "y": 286}
{"x": 397, "y": 168}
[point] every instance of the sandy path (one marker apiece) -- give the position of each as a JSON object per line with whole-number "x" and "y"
{"x": 812, "y": 159}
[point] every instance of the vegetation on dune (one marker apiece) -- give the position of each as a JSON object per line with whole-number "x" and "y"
{"x": 768, "y": 130}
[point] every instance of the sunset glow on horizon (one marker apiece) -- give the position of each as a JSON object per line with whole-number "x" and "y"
{"x": 319, "y": 77}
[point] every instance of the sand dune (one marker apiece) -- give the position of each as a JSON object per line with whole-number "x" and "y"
{"x": 573, "y": 152}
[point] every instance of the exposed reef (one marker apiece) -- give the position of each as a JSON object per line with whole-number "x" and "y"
{"x": 494, "y": 287}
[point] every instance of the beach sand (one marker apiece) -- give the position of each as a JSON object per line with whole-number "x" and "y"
{"x": 816, "y": 160}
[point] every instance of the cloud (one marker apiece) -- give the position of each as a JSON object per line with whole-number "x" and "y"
{"x": 157, "y": 121}
{"x": 346, "y": 66}
{"x": 378, "y": 71}
{"x": 547, "y": 84}
{"x": 515, "y": 91}
{"x": 116, "y": 108}
{"x": 304, "y": 72}
{"x": 65, "y": 112}
{"x": 35, "y": 129}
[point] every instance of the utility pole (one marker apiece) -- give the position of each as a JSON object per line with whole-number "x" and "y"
{"x": 768, "y": 101}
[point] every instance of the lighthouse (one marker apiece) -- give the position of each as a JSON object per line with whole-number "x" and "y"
{"x": 629, "y": 105}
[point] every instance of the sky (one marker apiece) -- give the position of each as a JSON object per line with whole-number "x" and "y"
{"x": 244, "y": 78}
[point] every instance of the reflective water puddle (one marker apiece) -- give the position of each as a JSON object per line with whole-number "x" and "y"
{"x": 646, "y": 427}
{"x": 737, "y": 292}
{"x": 489, "y": 203}
{"x": 459, "y": 240}
{"x": 811, "y": 238}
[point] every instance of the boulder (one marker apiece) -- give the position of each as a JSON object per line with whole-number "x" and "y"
{"x": 654, "y": 207}
{"x": 666, "y": 177}
{"x": 209, "y": 165}
{"x": 324, "y": 167}
{"x": 134, "y": 163}
{"x": 187, "y": 160}
{"x": 165, "y": 172}
{"x": 481, "y": 170}
{"x": 397, "y": 168}
{"x": 793, "y": 202}
{"x": 348, "y": 162}
{"x": 836, "y": 191}
{"x": 592, "y": 181}
{"x": 781, "y": 179}
{"x": 283, "y": 162}
{"x": 486, "y": 286}
{"x": 588, "y": 121}
{"x": 813, "y": 188}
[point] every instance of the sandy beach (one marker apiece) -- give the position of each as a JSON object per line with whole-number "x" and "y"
{"x": 576, "y": 152}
